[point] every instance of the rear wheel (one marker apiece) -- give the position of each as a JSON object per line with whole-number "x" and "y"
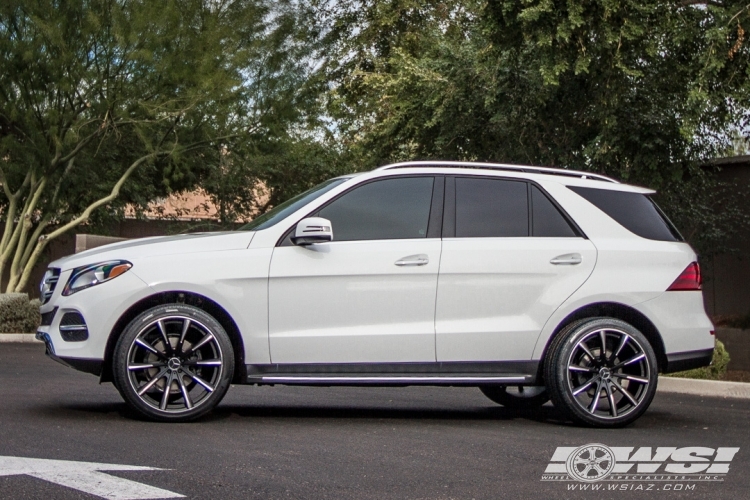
{"x": 601, "y": 372}
{"x": 173, "y": 363}
{"x": 517, "y": 397}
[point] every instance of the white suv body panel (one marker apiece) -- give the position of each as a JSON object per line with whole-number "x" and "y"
{"x": 496, "y": 294}
{"x": 352, "y": 297}
{"x": 346, "y": 302}
{"x": 680, "y": 319}
{"x": 237, "y": 280}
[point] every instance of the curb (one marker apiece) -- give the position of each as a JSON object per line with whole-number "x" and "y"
{"x": 697, "y": 387}
{"x": 19, "y": 338}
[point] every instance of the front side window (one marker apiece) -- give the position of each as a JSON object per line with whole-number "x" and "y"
{"x": 487, "y": 208}
{"x": 388, "y": 209}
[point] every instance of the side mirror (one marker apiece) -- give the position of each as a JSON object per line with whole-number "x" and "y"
{"x": 312, "y": 230}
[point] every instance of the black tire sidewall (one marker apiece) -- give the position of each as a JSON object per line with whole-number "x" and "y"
{"x": 122, "y": 348}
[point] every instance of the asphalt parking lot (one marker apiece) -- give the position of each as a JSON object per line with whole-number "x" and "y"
{"x": 338, "y": 443}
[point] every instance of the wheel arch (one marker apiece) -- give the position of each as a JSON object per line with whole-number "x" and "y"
{"x": 190, "y": 298}
{"x": 618, "y": 311}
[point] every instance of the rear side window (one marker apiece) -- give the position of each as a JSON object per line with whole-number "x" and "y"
{"x": 546, "y": 219}
{"x": 491, "y": 208}
{"x": 382, "y": 210}
{"x": 634, "y": 211}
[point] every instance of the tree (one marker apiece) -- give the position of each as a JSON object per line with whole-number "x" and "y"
{"x": 248, "y": 183}
{"x": 646, "y": 92}
{"x": 291, "y": 149}
{"x": 100, "y": 98}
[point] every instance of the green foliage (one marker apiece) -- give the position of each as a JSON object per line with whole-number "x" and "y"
{"x": 137, "y": 76}
{"x": 717, "y": 369}
{"x": 18, "y": 314}
{"x": 105, "y": 104}
{"x": 249, "y": 183}
{"x": 643, "y": 91}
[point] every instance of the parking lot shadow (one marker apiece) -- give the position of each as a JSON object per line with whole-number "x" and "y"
{"x": 119, "y": 410}
{"x": 546, "y": 413}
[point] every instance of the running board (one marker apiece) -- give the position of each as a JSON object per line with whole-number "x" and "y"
{"x": 395, "y": 374}
{"x": 388, "y": 380}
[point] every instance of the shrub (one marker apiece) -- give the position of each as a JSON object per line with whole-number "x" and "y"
{"x": 714, "y": 372}
{"x": 740, "y": 322}
{"x": 18, "y": 314}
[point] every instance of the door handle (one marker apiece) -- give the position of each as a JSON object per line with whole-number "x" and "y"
{"x": 413, "y": 260}
{"x": 569, "y": 259}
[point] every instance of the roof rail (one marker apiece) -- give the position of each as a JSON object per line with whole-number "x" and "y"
{"x": 500, "y": 166}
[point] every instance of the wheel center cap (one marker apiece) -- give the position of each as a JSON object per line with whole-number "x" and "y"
{"x": 174, "y": 363}
{"x": 604, "y": 373}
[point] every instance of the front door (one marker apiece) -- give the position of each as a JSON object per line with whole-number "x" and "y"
{"x": 369, "y": 295}
{"x": 510, "y": 258}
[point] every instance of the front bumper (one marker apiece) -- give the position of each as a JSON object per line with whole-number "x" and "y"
{"x": 93, "y": 366}
{"x": 98, "y": 308}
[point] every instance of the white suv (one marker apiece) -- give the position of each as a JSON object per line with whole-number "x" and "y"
{"x": 530, "y": 283}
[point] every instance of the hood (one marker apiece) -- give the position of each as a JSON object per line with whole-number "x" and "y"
{"x": 159, "y": 245}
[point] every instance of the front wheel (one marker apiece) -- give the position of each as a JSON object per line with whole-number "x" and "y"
{"x": 517, "y": 397}
{"x": 173, "y": 363}
{"x": 601, "y": 372}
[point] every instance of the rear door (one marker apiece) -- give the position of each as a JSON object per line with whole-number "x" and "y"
{"x": 510, "y": 258}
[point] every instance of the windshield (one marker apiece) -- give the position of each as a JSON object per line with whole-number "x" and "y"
{"x": 291, "y": 205}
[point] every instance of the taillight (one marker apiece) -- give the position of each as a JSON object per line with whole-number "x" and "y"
{"x": 690, "y": 279}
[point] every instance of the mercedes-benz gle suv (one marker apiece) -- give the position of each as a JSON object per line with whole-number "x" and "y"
{"x": 529, "y": 283}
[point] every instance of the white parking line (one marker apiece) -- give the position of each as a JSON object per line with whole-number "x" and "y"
{"x": 86, "y": 477}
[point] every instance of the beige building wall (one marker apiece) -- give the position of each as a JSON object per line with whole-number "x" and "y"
{"x": 181, "y": 206}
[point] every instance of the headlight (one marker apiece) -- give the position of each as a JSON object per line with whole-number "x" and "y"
{"x": 44, "y": 286}
{"x": 88, "y": 276}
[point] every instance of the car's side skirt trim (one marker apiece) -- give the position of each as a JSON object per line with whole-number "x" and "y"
{"x": 436, "y": 373}
{"x": 393, "y": 380}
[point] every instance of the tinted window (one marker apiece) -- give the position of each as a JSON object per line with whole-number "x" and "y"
{"x": 290, "y": 206}
{"x": 636, "y": 212}
{"x": 491, "y": 208}
{"x": 382, "y": 210}
{"x": 547, "y": 221}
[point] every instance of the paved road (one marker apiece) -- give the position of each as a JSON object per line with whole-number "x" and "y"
{"x": 338, "y": 443}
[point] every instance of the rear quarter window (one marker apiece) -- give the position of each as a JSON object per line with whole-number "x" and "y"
{"x": 547, "y": 221}
{"x": 634, "y": 211}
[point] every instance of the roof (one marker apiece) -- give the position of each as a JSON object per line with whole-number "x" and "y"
{"x": 501, "y": 166}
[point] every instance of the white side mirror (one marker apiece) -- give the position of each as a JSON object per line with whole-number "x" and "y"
{"x": 312, "y": 230}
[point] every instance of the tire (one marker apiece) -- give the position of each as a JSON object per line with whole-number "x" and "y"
{"x": 601, "y": 387}
{"x": 517, "y": 398}
{"x": 173, "y": 363}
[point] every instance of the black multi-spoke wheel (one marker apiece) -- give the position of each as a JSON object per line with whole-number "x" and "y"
{"x": 601, "y": 372}
{"x": 517, "y": 397}
{"x": 173, "y": 362}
